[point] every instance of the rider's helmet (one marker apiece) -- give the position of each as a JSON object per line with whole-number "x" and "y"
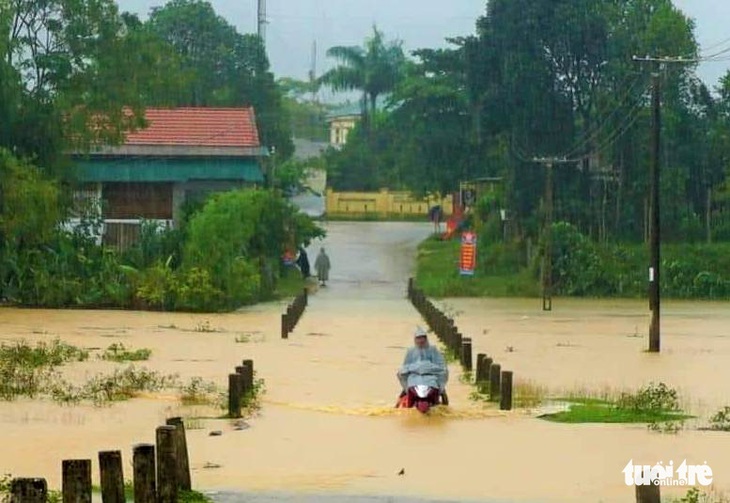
{"x": 420, "y": 332}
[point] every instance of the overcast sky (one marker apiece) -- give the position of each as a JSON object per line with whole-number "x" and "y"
{"x": 295, "y": 24}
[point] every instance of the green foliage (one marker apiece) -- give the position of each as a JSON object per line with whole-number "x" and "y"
{"x": 581, "y": 268}
{"x": 236, "y": 237}
{"x": 657, "y": 405}
{"x": 653, "y": 398}
{"x": 117, "y": 352}
{"x": 577, "y": 267}
{"x": 695, "y": 495}
{"x": 252, "y": 400}
{"x": 102, "y": 389}
{"x": 307, "y": 115}
{"x": 437, "y": 271}
{"x": 199, "y": 392}
{"x": 27, "y": 370}
{"x": 29, "y": 204}
{"x": 157, "y": 286}
{"x": 70, "y": 270}
{"x": 597, "y": 413}
{"x": 193, "y": 497}
{"x": 720, "y": 421}
{"x": 374, "y": 69}
{"x": 222, "y": 67}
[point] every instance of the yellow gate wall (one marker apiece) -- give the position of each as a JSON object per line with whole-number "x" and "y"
{"x": 383, "y": 203}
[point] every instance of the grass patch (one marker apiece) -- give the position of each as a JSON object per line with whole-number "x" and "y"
{"x": 193, "y": 497}
{"x": 118, "y": 353}
{"x": 437, "y": 274}
{"x": 290, "y": 284}
{"x": 607, "y": 413}
{"x": 656, "y": 404}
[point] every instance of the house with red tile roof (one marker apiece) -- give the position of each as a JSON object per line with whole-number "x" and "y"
{"x": 182, "y": 155}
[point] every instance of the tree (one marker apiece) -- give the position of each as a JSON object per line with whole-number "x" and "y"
{"x": 223, "y": 67}
{"x": 70, "y": 69}
{"x": 374, "y": 69}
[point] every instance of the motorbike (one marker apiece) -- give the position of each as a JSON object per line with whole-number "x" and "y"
{"x": 423, "y": 391}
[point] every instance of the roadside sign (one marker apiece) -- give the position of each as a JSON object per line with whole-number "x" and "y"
{"x": 467, "y": 263}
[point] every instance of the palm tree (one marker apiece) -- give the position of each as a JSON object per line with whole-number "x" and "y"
{"x": 374, "y": 69}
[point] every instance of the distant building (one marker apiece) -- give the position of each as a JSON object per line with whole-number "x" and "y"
{"x": 183, "y": 155}
{"x": 341, "y": 121}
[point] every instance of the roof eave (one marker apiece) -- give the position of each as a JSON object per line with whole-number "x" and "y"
{"x": 175, "y": 151}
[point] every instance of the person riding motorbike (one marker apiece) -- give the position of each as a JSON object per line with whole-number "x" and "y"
{"x": 421, "y": 355}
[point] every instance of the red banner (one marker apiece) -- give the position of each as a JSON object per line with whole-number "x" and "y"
{"x": 468, "y": 262}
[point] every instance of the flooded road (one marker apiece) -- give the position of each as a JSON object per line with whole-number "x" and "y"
{"x": 328, "y": 427}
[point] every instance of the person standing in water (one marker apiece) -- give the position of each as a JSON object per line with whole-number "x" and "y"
{"x": 322, "y": 265}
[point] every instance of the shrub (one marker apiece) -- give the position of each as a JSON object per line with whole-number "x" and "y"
{"x": 230, "y": 241}
{"x": 194, "y": 291}
{"x": 118, "y": 353}
{"x": 654, "y": 398}
{"x": 157, "y": 287}
{"x": 721, "y": 420}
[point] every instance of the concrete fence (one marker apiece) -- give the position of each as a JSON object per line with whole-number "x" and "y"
{"x": 489, "y": 376}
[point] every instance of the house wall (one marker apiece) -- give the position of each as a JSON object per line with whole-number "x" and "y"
{"x": 137, "y": 200}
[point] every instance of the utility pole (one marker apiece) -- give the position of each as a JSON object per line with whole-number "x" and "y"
{"x": 655, "y": 220}
{"x": 654, "y": 198}
{"x": 547, "y": 260}
{"x": 547, "y": 272}
{"x": 262, "y": 21}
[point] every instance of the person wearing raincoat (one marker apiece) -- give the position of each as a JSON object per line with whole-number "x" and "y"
{"x": 322, "y": 265}
{"x": 303, "y": 263}
{"x": 420, "y": 357}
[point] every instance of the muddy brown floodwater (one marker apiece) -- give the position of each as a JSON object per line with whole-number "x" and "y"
{"x": 327, "y": 424}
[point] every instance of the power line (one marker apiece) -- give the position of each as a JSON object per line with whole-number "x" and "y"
{"x": 592, "y": 136}
{"x": 717, "y": 44}
{"x": 624, "y": 126}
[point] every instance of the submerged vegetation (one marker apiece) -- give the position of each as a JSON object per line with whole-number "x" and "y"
{"x": 657, "y": 405}
{"x": 27, "y": 370}
{"x": 34, "y": 371}
{"x": 117, "y": 352}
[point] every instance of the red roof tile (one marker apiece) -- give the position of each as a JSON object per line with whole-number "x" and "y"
{"x": 200, "y": 127}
